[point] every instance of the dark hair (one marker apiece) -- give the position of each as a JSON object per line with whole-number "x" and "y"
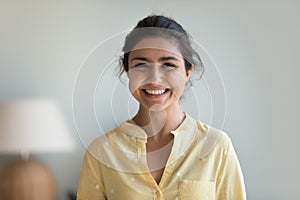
{"x": 158, "y": 25}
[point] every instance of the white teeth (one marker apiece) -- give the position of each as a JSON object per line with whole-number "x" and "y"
{"x": 155, "y": 92}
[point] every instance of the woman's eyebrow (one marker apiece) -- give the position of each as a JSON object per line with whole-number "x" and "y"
{"x": 140, "y": 58}
{"x": 160, "y": 59}
{"x": 167, "y": 58}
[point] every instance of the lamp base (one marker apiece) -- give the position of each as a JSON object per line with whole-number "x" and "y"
{"x": 27, "y": 180}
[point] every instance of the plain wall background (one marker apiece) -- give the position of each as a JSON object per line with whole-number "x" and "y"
{"x": 255, "y": 45}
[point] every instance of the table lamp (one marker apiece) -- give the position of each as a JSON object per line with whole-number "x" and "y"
{"x": 31, "y": 126}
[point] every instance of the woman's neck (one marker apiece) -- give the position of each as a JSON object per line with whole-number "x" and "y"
{"x": 159, "y": 122}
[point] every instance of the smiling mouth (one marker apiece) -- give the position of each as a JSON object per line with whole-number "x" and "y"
{"x": 156, "y": 92}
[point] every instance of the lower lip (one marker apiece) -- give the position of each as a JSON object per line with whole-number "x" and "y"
{"x": 156, "y": 96}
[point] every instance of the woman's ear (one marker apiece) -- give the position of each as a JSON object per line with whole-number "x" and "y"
{"x": 123, "y": 67}
{"x": 189, "y": 72}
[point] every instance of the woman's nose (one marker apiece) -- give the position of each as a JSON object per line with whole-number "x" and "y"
{"x": 155, "y": 75}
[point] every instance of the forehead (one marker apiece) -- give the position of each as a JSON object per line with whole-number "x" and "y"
{"x": 156, "y": 47}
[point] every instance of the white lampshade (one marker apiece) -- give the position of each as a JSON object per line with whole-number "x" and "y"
{"x": 33, "y": 125}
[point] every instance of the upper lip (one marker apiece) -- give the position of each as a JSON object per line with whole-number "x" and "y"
{"x": 154, "y": 87}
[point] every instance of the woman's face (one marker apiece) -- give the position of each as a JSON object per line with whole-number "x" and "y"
{"x": 157, "y": 74}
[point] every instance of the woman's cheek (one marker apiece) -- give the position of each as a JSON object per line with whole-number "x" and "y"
{"x": 136, "y": 80}
{"x": 177, "y": 81}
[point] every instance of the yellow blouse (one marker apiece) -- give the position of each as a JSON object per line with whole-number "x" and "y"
{"x": 202, "y": 166}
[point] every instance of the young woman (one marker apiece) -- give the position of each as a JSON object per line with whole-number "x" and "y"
{"x": 162, "y": 152}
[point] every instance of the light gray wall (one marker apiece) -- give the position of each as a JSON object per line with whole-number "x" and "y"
{"x": 255, "y": 45}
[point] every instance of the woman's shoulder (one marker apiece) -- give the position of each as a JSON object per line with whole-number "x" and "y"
{"x": 109, "y": 136}
{"x": 212, "y": 138}
{"x": 120, "y": 137}
{"x": 208, "y": 132}
{"x": 115, "y": 148}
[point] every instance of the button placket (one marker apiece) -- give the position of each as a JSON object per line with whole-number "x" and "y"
{"x": 157, "y": 194}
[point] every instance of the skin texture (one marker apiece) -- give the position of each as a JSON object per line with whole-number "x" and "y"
{"x": 157, "y": 64}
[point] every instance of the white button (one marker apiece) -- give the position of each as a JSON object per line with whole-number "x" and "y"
{"x": 225, "y": 152}
{"x": 97, "y": 187}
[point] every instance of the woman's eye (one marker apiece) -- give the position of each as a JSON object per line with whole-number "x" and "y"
{"x": 140, "y": 65}
{"x": 169, "y": 65}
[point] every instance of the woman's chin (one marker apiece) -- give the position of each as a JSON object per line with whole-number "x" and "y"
{"x": 157, "y": 107}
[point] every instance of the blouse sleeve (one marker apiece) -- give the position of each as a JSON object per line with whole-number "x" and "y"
{"x": 230, "y": 181}
{"x": 90, "y": 186}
